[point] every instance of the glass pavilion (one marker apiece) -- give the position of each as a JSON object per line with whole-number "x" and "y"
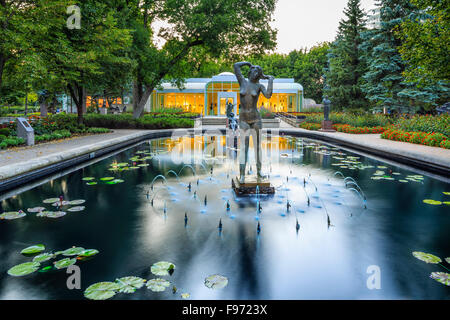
{"x": 209, "y": 96}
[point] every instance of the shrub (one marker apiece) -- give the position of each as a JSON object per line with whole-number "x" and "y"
{"x": 429, "y": 139}
{"x": 5, "y": 131}
{"x": 12, "y": 142}
{"x": 310, "y": 126}
{"x": 2, "y": 137}
{"x": 97, "y": 130}
{"x": 357, "y": 130}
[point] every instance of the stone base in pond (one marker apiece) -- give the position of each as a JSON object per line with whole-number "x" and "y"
{"x": 327, "y": 126}
{"x": 249, "y": 187}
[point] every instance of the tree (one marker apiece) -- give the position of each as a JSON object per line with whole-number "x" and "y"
{"x": 425, "y": 42}
{"x": 346, "y": 66}
{"x": 385, "y": 84}
{"x": 222, "y": 28}
{"x": 309, "y": 69}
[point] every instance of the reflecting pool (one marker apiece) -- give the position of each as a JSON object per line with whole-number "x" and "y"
{"x": 339, "y": 224}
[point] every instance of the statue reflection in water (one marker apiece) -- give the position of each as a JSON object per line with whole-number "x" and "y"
{"x": 249, "y": 117}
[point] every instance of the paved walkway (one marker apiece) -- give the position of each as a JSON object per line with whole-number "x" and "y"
{"x": 15, "y": 155}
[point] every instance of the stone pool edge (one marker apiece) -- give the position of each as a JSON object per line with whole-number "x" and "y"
{"x": 16, "y": 175}
{"x": 401, "y": 157}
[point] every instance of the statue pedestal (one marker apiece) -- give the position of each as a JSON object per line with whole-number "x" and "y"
{"x": 327, "y": 126}
{"x": 249, "y": 186}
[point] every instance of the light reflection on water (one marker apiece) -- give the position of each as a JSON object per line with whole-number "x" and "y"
{"x": 317, "y": 262}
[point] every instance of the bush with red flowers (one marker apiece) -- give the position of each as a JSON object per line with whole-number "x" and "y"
{"x": 433, "y": 139}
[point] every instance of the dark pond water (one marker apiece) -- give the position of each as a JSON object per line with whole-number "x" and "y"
{"x": 316, "y": 262}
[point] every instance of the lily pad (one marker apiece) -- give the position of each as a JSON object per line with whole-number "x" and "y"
{"x": 447, "y": 260}
{"x": 61, "y": 203}
{"x": 11, "y": 215}
{"x": 130, "y": 284}
{"x": 162, "y": 268}
{"x": 216, "y": 282}
{"x": 91, "y": 183}
{"x": 50, "y": 200}
{"x": 115, "y": 181}
{"x": 101, "y": 290}
{"x": 403, "y": 181}
{"x": 143, "y": 165}
{"x": 157, "y": 285}
{"x": 427, "y": 257}
{"x": 43, "y": 257}
{"x": 24, "y": 269}
{"x": 55, "y": 214}
{"x": 446, "y": 202}
{"x": 185, "y": 295}
{"x": 88, "y": 253}
{"x": 38, "y": 248}
{"x": 88, "y": 178}
{"x": 107, "y": 178}
{"x": 446, "y": 193}
{"x": 433, "y": 202}
{"x": 76, "y": 202}
{"x": 35, "y": 209}
{"x": 64, "y": 263}
{"x": 441, "y": 277}
{"x": 75, "y": 251}
{"x": 77, "y": 208}
{"x": 43, "y": 213}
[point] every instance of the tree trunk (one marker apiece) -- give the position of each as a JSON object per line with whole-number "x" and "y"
{"x": 26, "y": 103}
{"x": 138, "y": 110}
{"x": 79, "y": 98}
{"x": 2, "y": 65}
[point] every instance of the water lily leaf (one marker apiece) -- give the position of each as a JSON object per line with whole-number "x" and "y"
{"x": 101, "y": 290}
{"x": 143, "y": 165}
{"x": 446, "y": 193}
{"x": 381, "y": 167}
{"x": 24, "y": 269}
{"x": 35, "y": 209}
{"x": 107, "y": 178}
{"x": 115, "y": 181}
{"x": 43, "y": 257}
{"x": 55, "y": 214}
{"x": 50, "y": 200}
{"x": 88, "y": 178}
{"x": 130, "y": 284}
{"x": 216, "y": 281}
{"x": 447, "y": 260}
{"x": 403, "y": 181}
{"x": 77, "y": 208}
{"x": 75, "y": 251}
{"x": 157, "y": 285}
{"x": 64, "y": 263}
{"x": 441, "y": 277}
{"x": 162, "y": 268}
{"x": 38, "y": 248}
{"x": 76, "y": 202}
{"x": 427, "y": 257}
{"x": 134, "y": 167}
{"x": 47, "y": 269}
{"x": 88, "y": 253}
{"x": 185, "y": 295}
{"x": 433, "y": 202}
{"x": 446, "y": 202}
{"x": 61, "y": 203}
{"x": 11, "y": 215}
{"x": 91, "y": 183}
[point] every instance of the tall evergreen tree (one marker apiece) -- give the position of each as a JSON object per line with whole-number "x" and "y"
{"x": 343, "y": 77}
{"x": 385, "y": 84}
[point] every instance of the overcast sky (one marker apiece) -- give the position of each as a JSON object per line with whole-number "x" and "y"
{"x": 304, "y": 23}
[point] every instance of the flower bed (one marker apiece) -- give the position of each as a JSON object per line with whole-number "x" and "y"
{"x": 310, "y": 126}
{"x": 434, "y": 139}
{"x": 346, "y": 128}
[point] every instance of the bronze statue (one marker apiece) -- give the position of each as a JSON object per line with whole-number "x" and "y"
{"x": 249, "y": 116}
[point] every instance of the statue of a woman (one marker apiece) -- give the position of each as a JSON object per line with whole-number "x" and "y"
{"x": 249, "y": 116}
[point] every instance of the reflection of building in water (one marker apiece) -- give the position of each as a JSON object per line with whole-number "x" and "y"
{"x": 209, "y": 96}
